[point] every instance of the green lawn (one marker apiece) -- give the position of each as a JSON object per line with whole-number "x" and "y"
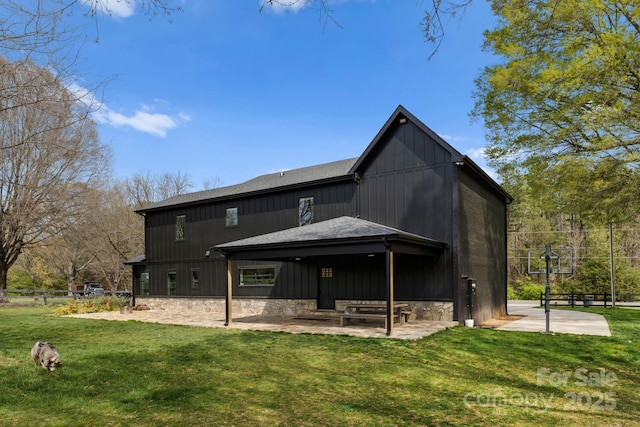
{"x": 132, "y": 373}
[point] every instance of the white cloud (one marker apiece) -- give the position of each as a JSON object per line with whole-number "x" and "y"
{"x": 143, "y": 120}
{"x": 451, "y": 138}
{"x": 476, "y": 153}
{"x": 113, "y": 8}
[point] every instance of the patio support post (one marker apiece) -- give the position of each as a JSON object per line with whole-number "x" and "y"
{"x": 389, "y": 273}
{"x": 229, "y": 297}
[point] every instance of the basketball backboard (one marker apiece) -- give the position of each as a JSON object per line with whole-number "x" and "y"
{"x": 560, "y": 261}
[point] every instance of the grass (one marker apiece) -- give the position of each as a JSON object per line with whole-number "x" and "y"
{"x": 132, "y": 373}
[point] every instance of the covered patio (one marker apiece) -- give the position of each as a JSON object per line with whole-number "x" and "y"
{"x": 342, "y": 236}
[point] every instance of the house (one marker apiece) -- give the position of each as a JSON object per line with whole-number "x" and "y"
{"x": 410, "y": 220}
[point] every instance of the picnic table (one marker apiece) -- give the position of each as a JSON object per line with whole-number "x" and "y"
{"x": 374, "y": 311}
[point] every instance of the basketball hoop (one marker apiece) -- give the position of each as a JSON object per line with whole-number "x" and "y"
{"x": 560, "y": 261}
{"x": 556, "y": 261}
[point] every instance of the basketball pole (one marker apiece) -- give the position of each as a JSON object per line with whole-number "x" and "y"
{"x": 547, "y": 292}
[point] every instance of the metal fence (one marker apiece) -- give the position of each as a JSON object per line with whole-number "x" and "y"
{"x": 54, "y": 296}
{"x": 589, "y": 300}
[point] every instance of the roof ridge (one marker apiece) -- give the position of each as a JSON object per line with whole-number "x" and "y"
{"x": 269, "y": 181}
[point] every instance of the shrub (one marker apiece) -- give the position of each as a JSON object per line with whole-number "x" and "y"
{"x": 69, "y": 308}
{"x": 531, "y": 291}
{"x": 91, "y": 305}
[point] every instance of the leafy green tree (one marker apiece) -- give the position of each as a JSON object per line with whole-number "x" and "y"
{"x": 566, "y": 95}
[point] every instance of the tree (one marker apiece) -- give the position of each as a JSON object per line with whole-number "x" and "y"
{"x": 117, "y": 235}
{"x": 144, "y": 188}
{"x": 50, "y": 156}
{"x": 567, "y": 95}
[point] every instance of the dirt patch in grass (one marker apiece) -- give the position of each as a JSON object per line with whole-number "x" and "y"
{"x": 501, "y": 320}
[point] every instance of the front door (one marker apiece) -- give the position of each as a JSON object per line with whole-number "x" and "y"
{"x": 327, "y": 291}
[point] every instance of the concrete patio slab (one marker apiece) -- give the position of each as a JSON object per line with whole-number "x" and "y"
{"x": 324, "y": 324}
{"x": 560, "y": 321}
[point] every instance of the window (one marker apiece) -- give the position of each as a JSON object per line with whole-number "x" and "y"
{"x": 232, "y": 217}
{"x": 305, "y": 210}
{"x": 195, "y": 279}
{"x": 144, "y": 284}
{"x": 180, "y": 222}
{"x": 326, "y": 272}
{"x": 171, "y": 283}
{"x": 258, "y": 276}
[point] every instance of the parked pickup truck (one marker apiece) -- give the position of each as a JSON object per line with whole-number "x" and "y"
{"x": 93, "y": 289}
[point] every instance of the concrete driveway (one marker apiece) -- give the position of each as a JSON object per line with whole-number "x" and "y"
{"x": 560, "y": 321}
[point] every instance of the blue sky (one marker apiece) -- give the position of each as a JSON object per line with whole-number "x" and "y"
{"x": 223, "y": 91}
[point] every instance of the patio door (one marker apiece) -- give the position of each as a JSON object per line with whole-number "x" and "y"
{"x": 327, "y": 291}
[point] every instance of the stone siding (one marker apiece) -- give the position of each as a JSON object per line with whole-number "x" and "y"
{"x": 421, "y": 310}
{"x": 240, "y": 307}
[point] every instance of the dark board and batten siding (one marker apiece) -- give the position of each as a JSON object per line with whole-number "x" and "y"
{"x": 407, "y": 178}
{"x": 483, "y": 245}
{"x": 205, "y": 223}
{"x": 406, "y": 184}
{"x": 205, "y": 227}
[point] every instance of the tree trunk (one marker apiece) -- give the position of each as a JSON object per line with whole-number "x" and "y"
{"x": 4, "y": 269}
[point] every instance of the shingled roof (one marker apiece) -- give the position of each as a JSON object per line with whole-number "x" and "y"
{"x": 343, "y": 169}
{"x": 343, "y": 229}
{"x": 268, "y": 182}
{"x": 328, "y": 237}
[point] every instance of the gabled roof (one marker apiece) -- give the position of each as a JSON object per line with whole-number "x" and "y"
{"x": 399, "y": 114}
{"x": 279, "y": 180}
{"x": 331, "y": 237}
{"x": 327, "y": 172}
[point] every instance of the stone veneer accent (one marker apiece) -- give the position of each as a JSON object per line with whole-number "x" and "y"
{"x": 421, "y": 310}
{"x": 241, "y": 306}
{"x": 424, "y": 310}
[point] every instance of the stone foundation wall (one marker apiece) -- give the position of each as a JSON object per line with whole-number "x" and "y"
{"x": 421, "y": 310}
{"x": 425, "y": 310}
{"x": 240, "y": 307}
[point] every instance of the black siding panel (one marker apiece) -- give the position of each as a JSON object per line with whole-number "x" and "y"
{"x": 482, "y": 246}
{"x": 205, "y": 228}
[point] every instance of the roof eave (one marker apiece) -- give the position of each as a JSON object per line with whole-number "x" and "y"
{"x": 299, "y": 185}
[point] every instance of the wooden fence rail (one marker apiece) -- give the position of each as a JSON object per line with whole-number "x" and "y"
{"x": 54, "y": 296}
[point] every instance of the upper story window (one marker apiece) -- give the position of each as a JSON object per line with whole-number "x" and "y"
{"x": 305, "y": 210}
{"x": 180, "y": 222}
{"x": 231, "y": 218}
